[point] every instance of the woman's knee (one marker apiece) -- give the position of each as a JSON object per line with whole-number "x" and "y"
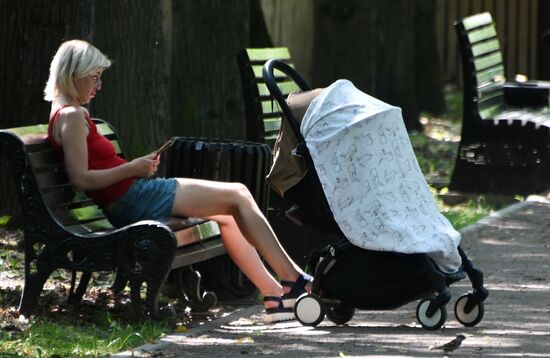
{"x": 241, "y": 195}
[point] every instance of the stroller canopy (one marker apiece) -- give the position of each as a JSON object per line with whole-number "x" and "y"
{"x": 371, "y": 178}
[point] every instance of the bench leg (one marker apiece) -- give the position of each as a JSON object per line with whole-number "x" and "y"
{"x": 34, "y": 283}
{"x": 188, "y": 286}
{"x": 146, "y": 254}
{"x": 76, "y": 297}
{"x": 121, "y": 280}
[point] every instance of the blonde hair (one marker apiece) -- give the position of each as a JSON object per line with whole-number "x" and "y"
{"x": 74, "y": 59}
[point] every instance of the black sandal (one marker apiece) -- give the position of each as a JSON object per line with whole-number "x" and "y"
{"x": 297, "y": 288}
{"x": 279, "y": 313}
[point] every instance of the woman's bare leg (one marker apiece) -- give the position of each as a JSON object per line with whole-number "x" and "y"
{"x": 246, "y": 257}
{"x": 246, "y": 229}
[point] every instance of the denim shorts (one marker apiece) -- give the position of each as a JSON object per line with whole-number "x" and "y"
{"x": 146, "y": 199}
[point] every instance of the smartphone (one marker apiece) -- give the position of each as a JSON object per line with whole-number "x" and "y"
{"x": 165, "y": 146}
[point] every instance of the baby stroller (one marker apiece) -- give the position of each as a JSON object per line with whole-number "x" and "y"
{"x": 349, "y": 277}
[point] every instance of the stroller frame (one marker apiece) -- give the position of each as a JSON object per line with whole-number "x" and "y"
{"x": 310, "y": 308}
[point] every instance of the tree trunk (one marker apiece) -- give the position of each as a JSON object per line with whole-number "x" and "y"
{"x": 376, "y": 45}
{"x": 290, "y": 24}
{"x": 205, "y": 93}
{"x": 429, "y": 81}
{"x": 259, "y": 35}
{"x": 135, "y": 89}
{"x": 544, "y": 28}
{"x": 30, "y": 33}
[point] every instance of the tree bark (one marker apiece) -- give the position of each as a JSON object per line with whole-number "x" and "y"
{"x": 135, "y": 89}
{"x": 544, "y": 28}
{"x": 205, "y": 93}
{"x": 429, "y": 80}
{"x": 376, "y": 45}
{"x": 30, "y": 33}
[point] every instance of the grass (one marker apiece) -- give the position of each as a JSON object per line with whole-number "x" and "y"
{"x": 63, "y": 337}
{"x": 97, "y": 332}
{"x": 58, "y": 330}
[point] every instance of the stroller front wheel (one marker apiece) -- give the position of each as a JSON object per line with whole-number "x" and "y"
{"x": 475, "y": 312}
{"x": 433, "y": 322}
{"x": 309, "y": 310}
{"x": 339, "y": 313}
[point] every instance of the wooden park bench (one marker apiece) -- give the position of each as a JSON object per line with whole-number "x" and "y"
{"x": 64, "y": 229}
{"x": 505, "y": 140}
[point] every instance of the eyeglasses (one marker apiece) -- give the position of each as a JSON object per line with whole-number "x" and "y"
{"x": 97, "y": 80}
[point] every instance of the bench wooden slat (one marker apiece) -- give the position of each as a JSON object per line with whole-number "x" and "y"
{"x": 482, "y": 34}
{"x": 48, "y": 180}
{"x": 258, "y": 73}
{"x": 489, "y": 112}
{"x": 489, "y": 90}
{"x": 477, "y": 20}
{"x": 272, "y": 124}
{"x": 285, "y": 87}
{"x": 37, "y": 129}
{"x": 100, "y": 227}
{"x": 264, "y": 54}
{"x": 485, "y": 62}
{"x": 538, "y": 118}
{"x": 491, "y": 99}
{"x": 105, "y": 129}
{"x": 87, "y": 215}
{"x": 270, "y": 106}
{"x": 490, "y": 75}
{"x": 486, "y": 47}
{"x": 65, "y": 197}
{"x": 44, "y": 158}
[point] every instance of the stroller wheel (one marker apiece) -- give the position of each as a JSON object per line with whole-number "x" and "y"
{"x": 475, "y": 312}
{"x": 309, "y": 309}
{"x": 433, "y": 322}
{"x": 340, "y": 313}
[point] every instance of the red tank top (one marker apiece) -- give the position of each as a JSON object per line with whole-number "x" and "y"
{"x": 101, "y": 155}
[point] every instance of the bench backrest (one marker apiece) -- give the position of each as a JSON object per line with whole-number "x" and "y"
{"x": 71, "y": 209}
{"x": 263, "y": 114}
{"x": 483, "y": 69}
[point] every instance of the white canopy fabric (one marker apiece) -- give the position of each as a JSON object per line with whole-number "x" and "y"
{"x": 371, "y": 178}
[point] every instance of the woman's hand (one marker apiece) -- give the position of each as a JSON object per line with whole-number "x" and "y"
{"x": 145, "y": 166}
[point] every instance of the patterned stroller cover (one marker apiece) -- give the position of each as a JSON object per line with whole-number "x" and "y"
{"x": 371, "y": 178}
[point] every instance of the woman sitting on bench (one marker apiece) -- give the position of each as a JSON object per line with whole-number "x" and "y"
{"x": 122, "y": 190}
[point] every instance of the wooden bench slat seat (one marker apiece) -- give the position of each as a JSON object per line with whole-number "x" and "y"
{"x": 75, "y": 234}
{"x": 505, "y": 139}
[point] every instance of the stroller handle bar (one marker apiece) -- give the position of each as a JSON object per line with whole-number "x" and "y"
{"x": 271, "y": 83}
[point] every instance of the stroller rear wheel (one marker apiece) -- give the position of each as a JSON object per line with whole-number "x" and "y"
{"x": 339, "y": 313}
{"x": 434, "y": 321}
{"x": 467, "y": 311}
{"x": 309, "y": 309}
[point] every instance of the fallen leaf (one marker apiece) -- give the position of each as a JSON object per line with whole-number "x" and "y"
{"x": 244, "y": 340}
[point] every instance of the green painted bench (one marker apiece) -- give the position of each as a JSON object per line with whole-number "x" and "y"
{"x": 64, "y": 229}
{"x": 505, "y": 140}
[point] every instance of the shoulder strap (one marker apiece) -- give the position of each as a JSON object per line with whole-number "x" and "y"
{"x": 53, "y": 119}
